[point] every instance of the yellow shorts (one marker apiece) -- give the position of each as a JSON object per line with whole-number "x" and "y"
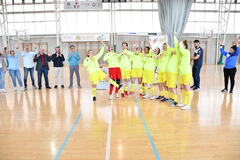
{"x": 137, "y": 73}
{"x": 172, "y": 80}
{"x": 97, "y": 76}
{"x": 186, "y": 79}
{"x": 148, "y": 77}
{"x": 126, "y": 73}
{"x": 162, "y": 77}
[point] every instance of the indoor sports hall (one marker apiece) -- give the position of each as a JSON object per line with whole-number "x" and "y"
{"x": 120, "y": 80}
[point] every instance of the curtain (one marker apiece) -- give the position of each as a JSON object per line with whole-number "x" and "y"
{"x": 173, "y": 16}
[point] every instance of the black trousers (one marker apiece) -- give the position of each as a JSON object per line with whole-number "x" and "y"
{"x": 196, "y": 75}
{"x": 229, "y": 73}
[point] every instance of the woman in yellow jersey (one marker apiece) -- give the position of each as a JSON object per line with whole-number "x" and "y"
{"x": 185, "y": 75}
{"x": 137, "y": 70}
{"x": 162, "y": 72}
{"x": 148, "y": 72}
{"x": 125, "y": 66}
{"x": 96, "y": 75}
{"x": 112, "y": 59}
{"x": 172, "y": 73}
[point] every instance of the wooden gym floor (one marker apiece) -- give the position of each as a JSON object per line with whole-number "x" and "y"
{"x": 65, "y": 124}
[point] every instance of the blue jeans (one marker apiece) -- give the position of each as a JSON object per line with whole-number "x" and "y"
{"x": 15, "y": 75}
{"x": 2, "y": 79}
{"x": 43, "y": 71}
{"x": 196, "y": 75}
{"x": 26, "y": 70}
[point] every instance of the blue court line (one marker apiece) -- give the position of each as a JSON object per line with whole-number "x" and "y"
{"x": 67, "y": 137}
{"x": 147, "y": 130}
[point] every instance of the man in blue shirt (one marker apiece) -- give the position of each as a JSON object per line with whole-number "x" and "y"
{"x": 28, "y": 65}
{"x": 230, "y": 66}
{"x": 73, "y": 59}
{"x": 197, "y": 65}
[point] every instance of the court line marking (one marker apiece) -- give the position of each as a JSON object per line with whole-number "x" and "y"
{"x": 108, "y": 145}
{"x": 67, "y": 137}
{"x": 147, "y": 130}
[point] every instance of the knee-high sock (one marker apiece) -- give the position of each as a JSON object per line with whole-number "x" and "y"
{"x": 175, "y": 97}
{"x": 126, "y": 88}
{"x": 113, "y": 83}
{"x": 153, "y": 91}
{"x": 189, "y": 97}
{"x": 171, "y": 95}
{"x": 140, "y": 88}
{"x": 166, "y": 94}
{"x": 132, "y": 87}
{"x": 111, "y": 89}
{"x": 161, "y": 93}
{"x": 146, "y": 89}
{"x": 118, "y": 82}
{"x": 184, "y": 97}
{"x": 94, "y": 92}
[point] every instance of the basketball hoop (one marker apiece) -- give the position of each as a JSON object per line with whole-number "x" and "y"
{"x": 207, "y": 34}
{"x": 21, "y": 35}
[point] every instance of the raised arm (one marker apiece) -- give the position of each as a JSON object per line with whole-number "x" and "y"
{"x": 100, "y": 53}
{"x": 223, "y": 52}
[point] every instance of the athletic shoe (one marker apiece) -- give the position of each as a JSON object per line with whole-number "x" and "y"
{"x": 196, "y": 88}
{"x": 94, "y": 99}
{"x": 131, "y": 93}
{"x": 62, "y": 86}
{"x": 80, "y": 86}
{"x": 126, "y": 93}
{"x": 21, "y": 89}
{"x": 117, "y": 95}
{"x": 122, "y": 94}
{"x": 39, "y": 88}
{"x": 25, "y": 88}
{"x": 160, "y": 97}
{"x": 153, "y": 97}
{"x": 70, "y": 87}
{"x": 145, "y": 96}
{"x": 164, "y": 100}
{"x": 110, "y": 97}
{"x": 224, "y": 90}
{"x": 48, "y": 87}
{"x": 230, "y": 92}
{"x": 192, "y": 86}
{"x": 174, "y": 104}
{"x": 180, "y": 105}
{"x": 186, "y": 107}
{"x": 55, "y": 86}
{"x": 34, "y": 87}
{"x": 170, "y": 100}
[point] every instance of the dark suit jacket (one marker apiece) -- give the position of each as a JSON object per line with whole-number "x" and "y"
{"x": 39, "y": 61}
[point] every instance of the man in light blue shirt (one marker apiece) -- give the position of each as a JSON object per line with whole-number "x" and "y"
{"x": 28, "y": 65}
{"x": 73, "y": 59}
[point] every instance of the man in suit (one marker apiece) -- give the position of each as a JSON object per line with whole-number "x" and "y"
{"x": 42, "y": 67}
